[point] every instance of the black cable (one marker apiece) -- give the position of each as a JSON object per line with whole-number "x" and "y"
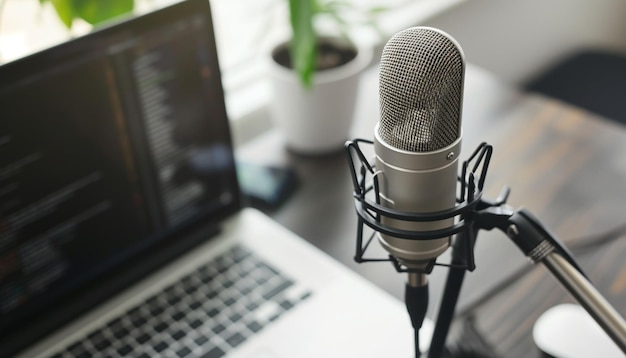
{"x": 418, "y": 353}
{"x": 416, "y": 301}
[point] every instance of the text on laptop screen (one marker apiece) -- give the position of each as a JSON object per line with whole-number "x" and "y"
{"x": 108, "y": 145}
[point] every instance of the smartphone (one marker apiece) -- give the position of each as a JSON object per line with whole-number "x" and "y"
{"x": 266, "y": 186}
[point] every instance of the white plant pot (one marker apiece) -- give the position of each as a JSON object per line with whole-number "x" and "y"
{"x": 317, "y": 120}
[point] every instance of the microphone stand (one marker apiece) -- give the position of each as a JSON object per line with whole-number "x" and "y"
{"x": 540, "y": 246}
{"x": 476, "y": 213}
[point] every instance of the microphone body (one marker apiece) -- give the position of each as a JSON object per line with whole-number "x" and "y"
{"x": 416, "y": 182}
{"x": 417, "y": 141}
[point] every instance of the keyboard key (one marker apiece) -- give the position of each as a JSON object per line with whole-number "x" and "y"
{"x": 124, "y": 350}
{"x": 246, "y": 290}
{"x": 195, "y": 305}
{"x": 190, "y": 289}
{"x": 254, "y": 326}
{"x": 161, "y": 326}
{"x": 251, "y": 306}
{"x": 215, "y": 352}
{"x": 160, "y": 346}
{"x": 183, "y": 352}
{"x": 195, "y": 323}
{"x": 138, "y": 321}
{"x": 101, "y": 344}
{"x": 235, "y": 316}
{"x": 211, "y": 295}
{"x": 262, "y": 280}
{"x": 218, "y": 328}
{"x": 173, "y": 299}
{"x": 156, "y": 309}
{"x": 120, "y": 332}
{"x": 278, "y": 289}
{"x": 179, "y": 315}
{"x": 240, "y": 254}
{"x": 235, "y": 339}
{"x": 213, "y": 312}
{"x": 143, "y": 338}
{"x": 200, "y": 340}
{"x": 286, "y": 304}
{"x": 228, "y": 283}
{"x": 178, "y": 335}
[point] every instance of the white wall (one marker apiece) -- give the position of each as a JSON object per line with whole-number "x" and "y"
{"x": 517, "y": 39}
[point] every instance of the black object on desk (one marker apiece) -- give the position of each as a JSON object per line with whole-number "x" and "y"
{"x": 594, "y": 80}
{"x": 266, "y": 187}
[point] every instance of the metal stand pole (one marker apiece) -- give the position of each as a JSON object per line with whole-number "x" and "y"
{"x": 541, "y": 246}
{"x": 589, "y": 298}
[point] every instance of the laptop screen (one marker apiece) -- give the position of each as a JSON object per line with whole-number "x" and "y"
{"x": 111, "y": 147}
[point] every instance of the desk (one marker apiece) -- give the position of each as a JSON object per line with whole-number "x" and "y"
{"x": 564, "y": 164}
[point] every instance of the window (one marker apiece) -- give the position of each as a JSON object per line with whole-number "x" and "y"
{"x": 245, "y": 30}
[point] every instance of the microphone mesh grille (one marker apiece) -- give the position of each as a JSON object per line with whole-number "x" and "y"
{"x": 421, "y": 89}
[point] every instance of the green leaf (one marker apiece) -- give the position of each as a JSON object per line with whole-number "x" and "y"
{"x": 378, "y": 9}
{"x": 98, "y": 11}
{"x": 331, "y": 6}
{"x": 65, "y": 10}
{"x": 43, "y": 1}
{"x": 303, "y": 41}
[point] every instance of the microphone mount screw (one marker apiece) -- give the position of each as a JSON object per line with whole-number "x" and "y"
{"x": 512, "y": 231}
{"x": 450, "y": 156}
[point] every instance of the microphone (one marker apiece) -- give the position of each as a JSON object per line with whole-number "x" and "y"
{"x": 417, "y": 145}
{"x": 417, "y": 141}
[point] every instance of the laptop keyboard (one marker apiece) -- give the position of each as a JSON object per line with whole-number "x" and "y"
{"x": 205, "y": 314}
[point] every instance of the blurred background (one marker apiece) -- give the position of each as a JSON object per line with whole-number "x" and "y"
{"x": 514, "y": 39}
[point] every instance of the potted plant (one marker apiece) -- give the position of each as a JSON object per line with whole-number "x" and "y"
{"x": 315, "y": 79}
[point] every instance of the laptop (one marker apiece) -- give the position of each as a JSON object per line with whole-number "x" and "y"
{"x": 122, "y": 228}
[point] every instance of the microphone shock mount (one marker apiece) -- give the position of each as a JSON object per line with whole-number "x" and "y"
{"x": 370, "y": 211}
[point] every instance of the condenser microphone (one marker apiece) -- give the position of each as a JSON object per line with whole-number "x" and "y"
{"x": 417, "y": 141}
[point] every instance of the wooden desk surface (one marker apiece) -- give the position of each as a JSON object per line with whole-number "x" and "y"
{"x": 566, "y": 165}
